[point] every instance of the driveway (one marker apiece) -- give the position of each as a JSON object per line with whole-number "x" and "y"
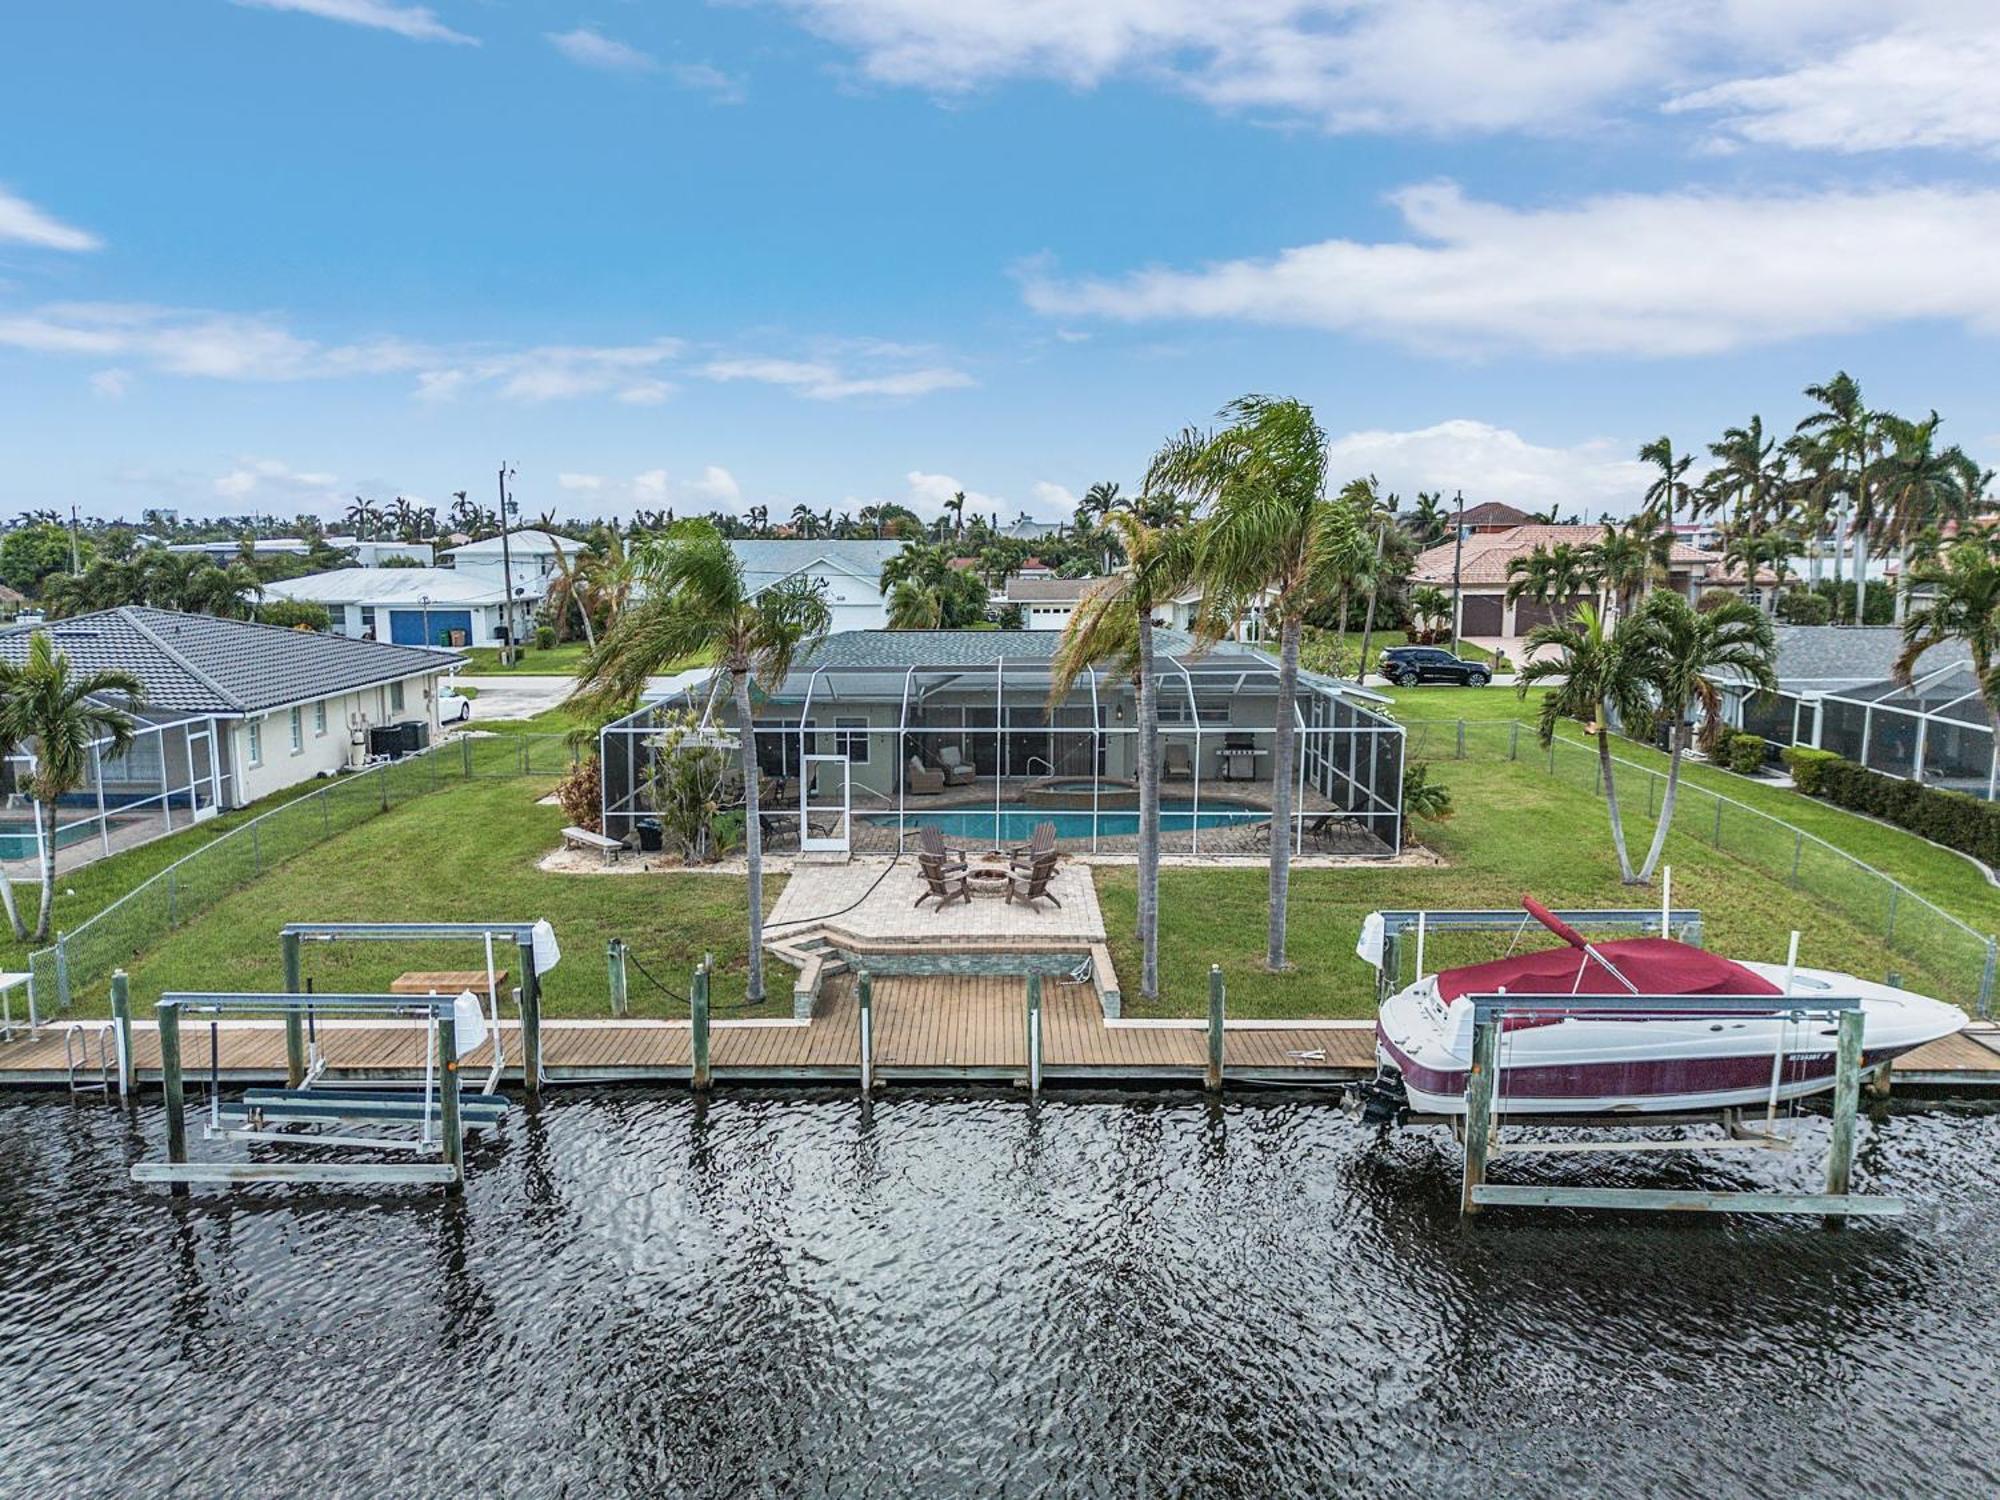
{"x": 515, "y": 696}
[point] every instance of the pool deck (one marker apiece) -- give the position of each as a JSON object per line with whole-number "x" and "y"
{"x": 929, "y": 1029}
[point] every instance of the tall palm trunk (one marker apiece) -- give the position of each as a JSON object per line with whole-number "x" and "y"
{"x": 1368, "y": 619}
{"x": 1901, "y": 596}
{"x": 1149, "y": 812}
{"x": 48, "y": 842}
{"x": 753, "y": 834}
{"x": 1676, "y": 747}
{"x": 1284, "y": 746}
{"x": 1860, "y": 575}
{"x": 1604, "y": 769}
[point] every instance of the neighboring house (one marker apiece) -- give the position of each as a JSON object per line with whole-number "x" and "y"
{"x": 1185, "y": 610}
{"x": 1482, "y": 561}
{"x": 851, "y": 573}
{"x": 416, "y": 606}
{"x": 1487, "y": 516}
{"x": 230, "y": 712}
{"x": 12, "y": 602}
{"x": 1026, "y": 529}
{"x": 529, "y": 555}
{"x": 1045, "y": 602}
{"x": 368, "y": 554}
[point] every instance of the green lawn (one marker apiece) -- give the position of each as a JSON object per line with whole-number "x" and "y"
{"x": 557, "y": 661}
{"x": 468, "y": 853}
{"x": 1516, "y": 830}
{"x": 1941, "y": 875}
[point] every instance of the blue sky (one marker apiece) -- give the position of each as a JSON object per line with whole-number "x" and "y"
{"x": 267, "y": 254}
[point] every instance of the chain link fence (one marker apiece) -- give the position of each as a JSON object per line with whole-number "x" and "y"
{"x": 1906, "y": 922}
{"x": 82, "y": 959}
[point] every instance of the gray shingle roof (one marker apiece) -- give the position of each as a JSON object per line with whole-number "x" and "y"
{"x": 1049, "y": 590}
{"x": 202, "y": 664}
{"x": 765, "y": 562}
{"x": 1828, "y": 658}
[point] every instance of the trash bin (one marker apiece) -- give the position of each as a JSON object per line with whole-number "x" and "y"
{"x": 651, "y": 841}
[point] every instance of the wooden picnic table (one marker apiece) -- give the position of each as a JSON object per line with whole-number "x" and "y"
{"x": 447, "y": 982}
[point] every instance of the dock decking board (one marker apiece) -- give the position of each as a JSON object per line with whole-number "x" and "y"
{"x": 936, "y": 1026}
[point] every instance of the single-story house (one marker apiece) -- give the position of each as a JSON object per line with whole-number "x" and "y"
{"x": 1481, "y": 561}
{"x": 1045, "y": 602}
{"x": 417, "y": 606}
{"x": 876, "y": 734}
{"x": 230, "y": 712}
{"x": 850, "y": 572}
{"x": 529, "y": 555}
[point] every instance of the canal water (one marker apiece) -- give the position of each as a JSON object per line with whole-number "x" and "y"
{"x": 1124, "y": 1297}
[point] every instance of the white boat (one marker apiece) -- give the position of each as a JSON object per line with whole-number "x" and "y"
{"x": 1616, "y": 1062}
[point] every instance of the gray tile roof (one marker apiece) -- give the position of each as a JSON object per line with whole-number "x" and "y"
{"x": 1049, "y": 590}
{"x": 202, "y": 664}
{"x": 1829, "y": 658}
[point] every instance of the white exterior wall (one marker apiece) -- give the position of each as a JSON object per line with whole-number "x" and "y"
{"x": 855, "y": 603}
{"x": 1046, "y": 616}
{"x": 319, "y": 753}
{"x": 347, "y": 619}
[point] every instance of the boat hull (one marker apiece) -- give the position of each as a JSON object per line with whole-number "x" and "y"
{"x": 1665, "y": 1064}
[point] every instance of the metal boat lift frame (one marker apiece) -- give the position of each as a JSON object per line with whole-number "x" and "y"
{"x": 338, "y": 1107}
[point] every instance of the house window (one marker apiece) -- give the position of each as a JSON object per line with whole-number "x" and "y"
{"x": 298, "y": 727}
{"x": 850, "y": 738}
{"x": 367, "y": 622}
{"x": 319, "y": 718}
{"x": 395, "y": 697}
{"x": 256, "y": 730}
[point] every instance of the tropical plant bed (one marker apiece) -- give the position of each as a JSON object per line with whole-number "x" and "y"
{"x": 1515, "y": 831}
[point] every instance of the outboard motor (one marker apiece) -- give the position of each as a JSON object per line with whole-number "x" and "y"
{"x": 1381, "y": 1100}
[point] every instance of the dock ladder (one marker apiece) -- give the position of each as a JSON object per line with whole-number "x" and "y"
{"x": 76, "y": 1059}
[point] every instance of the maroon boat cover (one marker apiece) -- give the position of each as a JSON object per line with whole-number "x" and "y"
{"x": 1656, "y": 966}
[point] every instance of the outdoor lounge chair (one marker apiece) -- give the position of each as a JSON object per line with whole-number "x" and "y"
{"x": 1041, "y": 845}
{"x": 1030, "y": 882}
{"x": 932, "y": 846}
{"x": 957, "y": 769}
{"x": 1179, "y": 765}
{"x": 945, "y": 882}
{"x": 923, "y": 780}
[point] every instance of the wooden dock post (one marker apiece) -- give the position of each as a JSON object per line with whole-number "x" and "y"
{"x": 446, "y": 1027}
{"x": 699, "y": 1074}
{"x": 170, "y": 1078}
{"x": 614, "y": 957}
{"x": 1215, "y": 1035}
{"x": 865, "y": 1019}
{"x": 1479, "y": 1099}
{"x": 1846, "y": 1098}
{"x": 531, "y": 1019}
{"x": 1035, "y": 1034}
{"x": 295, "y": 1022}
{"x": 121, "y": 1020}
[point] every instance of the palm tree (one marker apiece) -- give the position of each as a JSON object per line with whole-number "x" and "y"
{"x": 1114, "y": 622}
{"x": 569, "y": 591}
{"x": 1684, "y": 649}
{"x": 696, "y": 606}
{"x": 1427, "y": 521}
{"x": 1552, "y": 575}
{"x": 44, "y": 703}
{"x": 364, "y": 517}
{"x": 805, "y": 521}
{"x": 1919, "y": 487}
{"x": 1270, "y": 531}
{"x": 1596, "y": 672}
{"x": 1623, "y": 563}
{"x": 1429, "y": 605}
{"x": 1665, "y": 494}
{"x": 1848, "y": 431}
{"x": 1962, "y": 603}
{"x": 914, "y": 605}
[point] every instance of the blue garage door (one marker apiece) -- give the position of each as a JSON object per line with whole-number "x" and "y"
{"x": 406, "y": 626}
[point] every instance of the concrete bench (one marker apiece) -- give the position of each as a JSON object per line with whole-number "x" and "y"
{"x": 583, "y": 838}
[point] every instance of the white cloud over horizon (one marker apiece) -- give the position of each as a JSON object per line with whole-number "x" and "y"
{"x": 822, "y": 381}
{"x": 22, "y": 223}
{"x": 1667, "y": 274}
{"x": 590, "y": 48}
{"x": 1488, "y": 462}
{"x": 419, "y": 23}
{"x": 272, "y": 482}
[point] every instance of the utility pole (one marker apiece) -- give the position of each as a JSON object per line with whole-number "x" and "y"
{"x": 1457, "y": 555}
{"x": 509, "y": 654}
{"x": 75, "y": 563}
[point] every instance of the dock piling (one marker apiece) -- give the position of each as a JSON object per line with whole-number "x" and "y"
{"x": 865, "y": 1013}
{"x": 699, "y": 1073}
{"x": 1215, "y": 1035}
{"x": 1846, "y": 1099}
{"x": 121, "y": 1021}
{"x": 295, "y": 1025}
{"x": 170, "y": 1079}
{"x": 1479, "y": 1100}
{"x": 531, "y": 1019}
{"x": 1035, "y": 1035}
{"x": 446, "y": 1028}
{"x": 614, "y": 957}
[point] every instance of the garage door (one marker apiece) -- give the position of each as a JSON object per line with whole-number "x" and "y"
{"x": 406, "y": 626}
{"x": 1481, "y": 614}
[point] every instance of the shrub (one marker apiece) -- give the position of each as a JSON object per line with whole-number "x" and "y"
{"x": 1324, "y": 652}
{"x": 545, "y": 637}
{"x": 688, "y": 789}
{"x": 1746, "y": 753}
{"x": 1422, "y": 797}
{"x": 1714, "y": 737}
{"x": 1806, "y": 765}
{"x": 1796, "y": 607}
{"x": 581, "y": 794}
{"x": 295, "y": 614}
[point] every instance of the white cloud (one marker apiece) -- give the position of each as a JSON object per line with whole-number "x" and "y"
{"x": 1054, "y": 501}
{"x": 21, "y": 223}
{"x": 646, "y": 393}
{"x": 111, "y": 384}
{"x": 650, "y": 488}
{"x": 929, "y": 492}
{"x": 417, "y": 22}
{"x": 706, "y": 78}
{"x": 826, "y": 382}
{"x": 716, "y": 485}
{"x": 1666, "y": 274}
{"x": 1912, "y": 88}
{"x": 584, "y": 482}
{"x": 592, "y": 49}
{"x": 274, "y": 482}
{"x": 1494, "y": 463}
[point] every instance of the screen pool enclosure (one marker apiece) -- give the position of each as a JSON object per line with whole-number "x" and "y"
{"x": 878, "y": 734}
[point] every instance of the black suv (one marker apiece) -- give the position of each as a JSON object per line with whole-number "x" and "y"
{"x": 1409, "y": 665}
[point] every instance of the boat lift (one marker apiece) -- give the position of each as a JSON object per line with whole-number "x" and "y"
{"x": 326, "y": 1117}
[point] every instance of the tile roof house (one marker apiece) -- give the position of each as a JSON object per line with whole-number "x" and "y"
{"x": 1480, "y": 565}
{"x": 245, "y": 709}
{"x": 1046, "y": 602}
{"x": 417, "y": 606}
{"x": 850, "y": 571}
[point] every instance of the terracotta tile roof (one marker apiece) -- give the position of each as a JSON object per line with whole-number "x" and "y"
{"x": 1487, "y": 553}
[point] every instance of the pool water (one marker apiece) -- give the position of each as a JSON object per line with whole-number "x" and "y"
{"x": 941, "y": 1295}
{"x": 1017, "y": 825}
{"x": 17, "y": 839}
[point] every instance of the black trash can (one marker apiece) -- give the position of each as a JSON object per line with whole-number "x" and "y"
{"x": 651, "y": 841}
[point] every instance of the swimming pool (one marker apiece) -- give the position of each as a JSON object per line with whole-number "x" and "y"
{"x": 1015, "y": 824}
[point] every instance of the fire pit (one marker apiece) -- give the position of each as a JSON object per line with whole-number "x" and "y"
{"x": 987, "y": 880}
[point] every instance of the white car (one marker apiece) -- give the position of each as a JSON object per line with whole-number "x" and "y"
{"x": 452, "y": 707}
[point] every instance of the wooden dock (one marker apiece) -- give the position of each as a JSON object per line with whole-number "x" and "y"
{"x": 928, "y": 1029}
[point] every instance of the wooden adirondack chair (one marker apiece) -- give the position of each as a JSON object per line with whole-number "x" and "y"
{"x": 1030, "y": 882}
{"x": 944, "y": 882}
